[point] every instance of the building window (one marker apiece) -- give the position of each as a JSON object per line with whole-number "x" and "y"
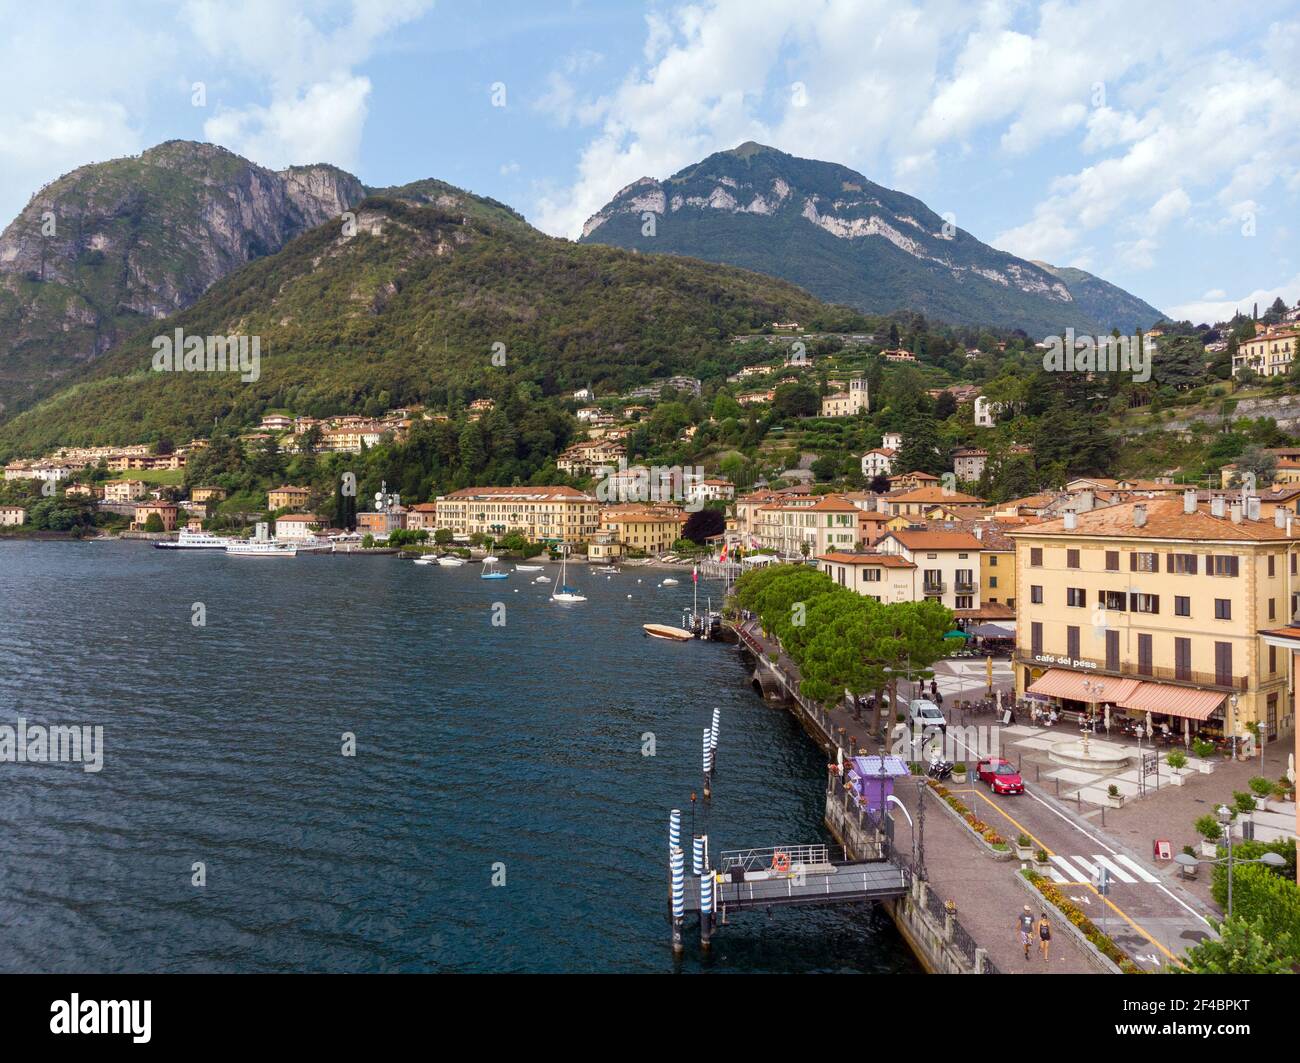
{"x": 1143, "y": 561}
{"x": 1036, "y": 556}
{"x": 1036, "y": 595}
{"x": 1076, "y": 597}
{"x": 1072, "y": 559}
{"x": 1272, "y": 659}
{"x": 1111, "y": 600}
{"x": 1223, "y": 664}
{"x": 1272, "y": 608}
{"x": 1181, "y": 564}
{"x": 1072, "y": 642}
{"x": 1112, "y": 650}
{"x": 993, "y": 582}
{"x": 1272, "y": 568}
{"x": 1145, "y": 603}
{"x": 1144, "y": 655}
{"x": 1183, "y": 659}
{"x": 965, "y": 601}
{"x": 993, "y": 561}
{"x": 1221, "y": 565}
{"x": 1112, "y": 560}
{"x": 1036, "y": 638}
{"x": 1182, "y": 605}
{"x": 1222, "y": 608}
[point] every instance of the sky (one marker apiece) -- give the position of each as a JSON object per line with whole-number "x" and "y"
{"x": 1156, "y": 144}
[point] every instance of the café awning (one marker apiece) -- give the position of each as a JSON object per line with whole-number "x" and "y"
{"x": 1173, "y": 701}
{"x": 1063, "y": 683}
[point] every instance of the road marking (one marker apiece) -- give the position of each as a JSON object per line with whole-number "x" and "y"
{"x": 1136, "y": 868}
{"x": 1114, "y": 869}
{"x": 1069, "y": 869}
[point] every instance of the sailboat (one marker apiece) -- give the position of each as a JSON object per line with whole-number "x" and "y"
{"x": 492, "y": 570}
{"x": 562, "y": 592}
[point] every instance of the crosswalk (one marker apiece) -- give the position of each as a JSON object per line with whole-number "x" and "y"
{"x": 1085, "y": 869}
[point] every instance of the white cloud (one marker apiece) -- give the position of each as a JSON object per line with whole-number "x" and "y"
{"x": 1213, "y": 307}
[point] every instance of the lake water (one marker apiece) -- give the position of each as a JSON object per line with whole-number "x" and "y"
{"x": 479, "y": 748}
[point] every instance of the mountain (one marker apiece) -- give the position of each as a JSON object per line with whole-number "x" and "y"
{"x": 110, "y": 247}
{"x": 845, "y": 239}
{"x": 1104, "y": 301}
{"x": 408, "y": 308}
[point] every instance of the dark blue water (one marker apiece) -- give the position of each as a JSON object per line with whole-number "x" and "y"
{"x": 478, "y": 748}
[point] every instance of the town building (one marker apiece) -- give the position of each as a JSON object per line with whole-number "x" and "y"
{"x": 887, "y": 578}
{"x": 1158, "y": 605}
{"x": 123, "y": 490}
{"x": 207, "y": 494}
{"x": 968, "y": 463}
{"x": 164, "y": 511}
{"x": 644, "y": 529}
{"x": 848, "y": 402}
{"x": 878, "y": 461}
{"x": 423, "y": 516}
{"x": 286, "y": 496}
{"x": 807, "y": 528}
{"x": 540, "y": 514}
{"x": 892, "y": 441}
{"x": 299, "y": 526}
{"x": 948, "y": 562}
{"x": 12, "y": 516}
{"x": 1270, "y": 353}
{"x": 590, "y": 456}
{"x": 921, "y": 501}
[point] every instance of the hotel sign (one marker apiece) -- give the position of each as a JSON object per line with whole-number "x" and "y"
{"x": 1065, "y": 662}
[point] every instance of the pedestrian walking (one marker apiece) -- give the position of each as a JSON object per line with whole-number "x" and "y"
{"x": 1026, "y": 928}
{"x": 1044, "y": 935}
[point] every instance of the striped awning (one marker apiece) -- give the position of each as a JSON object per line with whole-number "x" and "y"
{"x": 1170, "y": 700}
{"x": 1064, "y": 683}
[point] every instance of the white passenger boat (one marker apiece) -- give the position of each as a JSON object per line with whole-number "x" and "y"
{"x": 261, "y": 545}
{"x": 189, "y": 540}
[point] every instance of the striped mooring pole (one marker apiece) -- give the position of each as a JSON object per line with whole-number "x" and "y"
{"x": 707, "y": 750}
{"x": 697, "y": 859}
{"x": 713, "y": 738}
{"x": 674, "y": 829}
{"x": 678, "y": 864}
{"x": 706, "y": 909}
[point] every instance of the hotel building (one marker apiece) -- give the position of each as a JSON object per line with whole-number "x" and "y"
{"x": 540, "y": 514}
{"x": 1157, "y": 606}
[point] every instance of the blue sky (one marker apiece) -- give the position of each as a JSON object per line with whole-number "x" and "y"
{"x": 1157, "y": 145}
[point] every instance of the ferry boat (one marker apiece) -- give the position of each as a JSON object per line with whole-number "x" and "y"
{"x": 189, "y": 540}
{"x": 261, "y": 545}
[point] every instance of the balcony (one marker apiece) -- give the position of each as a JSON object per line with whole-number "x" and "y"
{"x": 933, "y": 589}
{"x": 1152, "y": 673}
{"x": 964, "y": 585}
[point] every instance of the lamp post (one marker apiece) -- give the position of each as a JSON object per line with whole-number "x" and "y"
{"x": 1233, "y": 701}
{"x": 1094, "y": 690}
{"x": 1269, "y": 859}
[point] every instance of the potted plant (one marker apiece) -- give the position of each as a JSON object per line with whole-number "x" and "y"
{"x": 959, "y": 772}
{"x": 1204, "y": 751}
{"x": 1284, "y": 790}
{"x": 1041, "y": 862}
{"x": 1024, "y": 847}
{"x": 1210, "y": 831}
{"x": 1113, "y": 797}
{"x": 1177, "y": 761}
{"x": 1243, "y": 804}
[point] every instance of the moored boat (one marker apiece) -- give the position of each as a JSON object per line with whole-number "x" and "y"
{"x": 188, "y": 540}
{"x": 667, "y": 631}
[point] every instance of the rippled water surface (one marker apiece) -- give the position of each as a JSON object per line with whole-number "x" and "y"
{"x": 476, "y": 746}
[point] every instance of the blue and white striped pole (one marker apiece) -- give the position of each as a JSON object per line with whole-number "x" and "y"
{"x": 708, "y": 750}
{"x": 678, "y": 864}
{"x": 713, "y": 738}
{"x": 706, "y": 908}
{"x": 674, "y": 829}
{"x": 697, "y": 858}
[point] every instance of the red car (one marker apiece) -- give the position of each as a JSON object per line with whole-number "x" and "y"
{"x": 1001, "y": 776}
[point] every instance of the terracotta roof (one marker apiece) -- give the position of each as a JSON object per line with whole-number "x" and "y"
{"x": 936, "y": 540}
{"x": 304, "y": 518}
{"x": 1165, "y": 520}
{"x": 938, "y": 495}
{"x": 832, "y": 504}
{"x": 917, "y": 475}
{"x": 883, "y": 560}
{"x": 523, "y": 494}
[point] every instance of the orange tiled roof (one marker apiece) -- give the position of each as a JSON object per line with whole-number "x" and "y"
{"x": 936, "y": 494}
{"x": 937, "y": 540}
{"x": 1165, "y": 520}
{"x": 883, "y": 560}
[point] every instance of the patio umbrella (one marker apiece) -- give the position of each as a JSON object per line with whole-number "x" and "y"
{"x": 993, "y": 631}
{"x": 1108, "y": 719}
{"x": 955, "y": 635}
{"x": 1151, "y": 727}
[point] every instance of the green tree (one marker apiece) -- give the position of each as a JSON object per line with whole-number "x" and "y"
{"x": 1243, "y": 947}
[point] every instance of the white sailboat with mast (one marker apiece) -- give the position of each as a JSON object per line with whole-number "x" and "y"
{"x": 562, "y": 592}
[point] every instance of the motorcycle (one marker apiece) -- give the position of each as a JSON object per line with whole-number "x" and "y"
{"x": 939, "y": 769}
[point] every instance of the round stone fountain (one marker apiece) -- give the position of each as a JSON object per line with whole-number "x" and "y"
{"x": 1098, "y": 756}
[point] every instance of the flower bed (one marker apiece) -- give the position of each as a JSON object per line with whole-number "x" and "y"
{"x": 991, "y": 838}
{"x": 1082, "y": 923}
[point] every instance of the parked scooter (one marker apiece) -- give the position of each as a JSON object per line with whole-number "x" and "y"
{"x": 939, "y": 768}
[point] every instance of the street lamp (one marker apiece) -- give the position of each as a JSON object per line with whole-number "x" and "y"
{"x": 1094, "y": 690}
{"x": 1233, "y": 701}
{"x": 1269, "y": 859}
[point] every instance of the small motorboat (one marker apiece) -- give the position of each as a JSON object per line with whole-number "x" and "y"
{"x": 448, "y": 561}
{"x": 669, "y": 583}
{"x": 611, "y": 569}
{"x": 528, "y": 568}
{"x": 426, "y": 560}
{"x": 668, "y": 632}
{"x": 542, "y": 579}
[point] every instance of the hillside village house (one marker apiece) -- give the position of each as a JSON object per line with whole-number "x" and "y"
{"x": 1270, "y": 353}
{"x": 165, "y": 511}
{"x": 848, "y": 402}
{"x": 80, "y": 490}
{"x": 711, "y": 490}
{"x": 884, "y": 577}
{"x": 12, "y": 516}
{"x": 381, "y": 523}
{"x": 207, "y": 494}
{"x": 1161, "y": 602}
{"x": 892, "y": 441}
{"x": 422, "y": 517}
{"x": 540, "y": 514}
{"x": 123, "y": 490}
{"x": 910, "y": 481}
{"x": 276, "y": 422}
{"x": 795, "y": 529}
{"x": 286, "y": 497}
{"x": 920, "y": 501}
{"x": 968, "y": 463}
{"x": 878, "y": 462}
{"x": 587, "y": 458}
{"x": 38, "y": 470}
{"x": 949, "y": 563}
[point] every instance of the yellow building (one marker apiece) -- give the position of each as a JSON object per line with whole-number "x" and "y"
{"x": 540, "y": 514}
{"x": 1160, "y": 602}
{"x": 651, "y": 531}
{"x": 286, "y": 497}
{"x": 123, "y": 490}
{"x": 208, "y": 494}
{"x": 1270, "y": 353}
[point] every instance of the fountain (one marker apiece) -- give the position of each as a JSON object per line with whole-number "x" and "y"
{"x": 1097, "y": 756}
